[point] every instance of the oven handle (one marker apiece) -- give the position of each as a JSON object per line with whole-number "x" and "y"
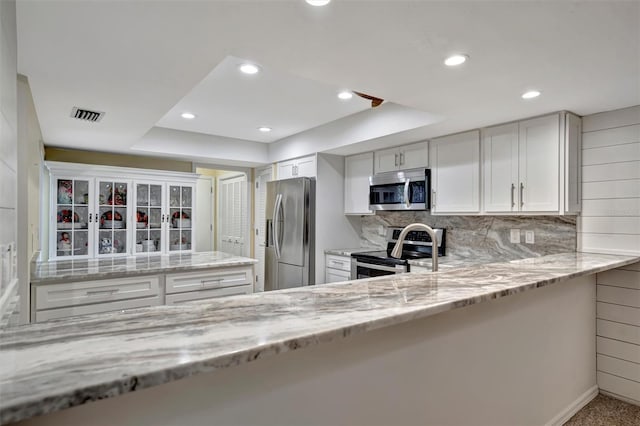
{"x": 396, "y": 269}
{"x": 407, "y": 201}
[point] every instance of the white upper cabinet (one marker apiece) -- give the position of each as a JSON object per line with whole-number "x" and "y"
{"x": 357, "y": 169}
{"x": 539, "y": 164}
{"x": 404, "y": 157}
{"x": 533, "y": 166}
{"x": 500, "y": 149}
{"x": 455, "y": 171}
{"x": 298, "y": 167}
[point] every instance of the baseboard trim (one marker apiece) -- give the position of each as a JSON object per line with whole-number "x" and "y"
{"x": 574, "y": 407}
{"x": 620, "y": 397}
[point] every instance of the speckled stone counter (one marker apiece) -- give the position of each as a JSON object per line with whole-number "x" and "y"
{"x": 349, "y": 251}
{"x": 77, "y": 270}
{"x": 63, "y": 363}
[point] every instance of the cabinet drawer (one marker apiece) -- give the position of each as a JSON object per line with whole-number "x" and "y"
{"x": 209, "y": 279}
{"x": 97, "y": 308}
{"x": 336, "y": 276}
{"x": 342, "y": 263}
{"x": 88, "y": 292}
{"x": 174, "y": 299}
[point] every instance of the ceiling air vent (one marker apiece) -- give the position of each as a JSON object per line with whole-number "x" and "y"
{"x": 87, "y": 115}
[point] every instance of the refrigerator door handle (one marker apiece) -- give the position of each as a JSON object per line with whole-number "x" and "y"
{"x": 276, "y": 224}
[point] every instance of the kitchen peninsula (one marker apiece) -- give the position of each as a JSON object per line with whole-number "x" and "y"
{"x": 65, "y": 288}
{"x": 407, "y": 338}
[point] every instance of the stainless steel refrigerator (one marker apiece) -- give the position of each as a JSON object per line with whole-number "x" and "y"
{"x": 290, "y": 239}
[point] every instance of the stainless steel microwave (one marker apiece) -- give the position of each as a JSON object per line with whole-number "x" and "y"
{"x": 402, "y": 190}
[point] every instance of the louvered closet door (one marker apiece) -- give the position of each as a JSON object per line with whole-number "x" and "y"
{"x": 262, "y": 177}
{"x": 232, "y": 216}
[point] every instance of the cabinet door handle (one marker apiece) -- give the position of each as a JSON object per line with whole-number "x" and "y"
{"x": 90, "y": 216}
{"x": 211, "y": 282}
{"x": 395, "y": 160}
{"x": 433, "y": 198}
{"x": 101, "y": 292}
{"x": 513, "y": 190}
{"x": 402, "y": 158}
{"x": 521, "y": 194}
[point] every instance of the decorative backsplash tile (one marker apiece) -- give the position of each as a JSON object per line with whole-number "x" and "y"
{"x": 481, "y": 236}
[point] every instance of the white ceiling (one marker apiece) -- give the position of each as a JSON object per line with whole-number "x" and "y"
{"x": 139, "y": 60}
{"x": 232, "y": 104}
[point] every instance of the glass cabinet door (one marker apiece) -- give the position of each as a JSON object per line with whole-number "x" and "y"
{"x": 148, "y": 218}
{"x": 180, "y": 217}
{"x": 72, "y": 217}
{"x": 112, "y": 218}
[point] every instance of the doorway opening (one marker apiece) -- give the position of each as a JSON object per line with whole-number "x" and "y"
{"x": 223, "y": 211}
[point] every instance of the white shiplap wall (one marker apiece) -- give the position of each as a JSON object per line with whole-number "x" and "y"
{"x": 618, "y": 332}
{"x": 610, "y": 220}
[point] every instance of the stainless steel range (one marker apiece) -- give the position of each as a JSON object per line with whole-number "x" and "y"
{"x": 417, "y": 245}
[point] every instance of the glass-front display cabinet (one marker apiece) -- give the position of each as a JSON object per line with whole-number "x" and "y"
{"x": 180, "y": 217}
{"x": 113, "y": 218}
{"x": 126, "y": 212}
{"x": 72, "y": 199}
{"x": 149, "y": 218}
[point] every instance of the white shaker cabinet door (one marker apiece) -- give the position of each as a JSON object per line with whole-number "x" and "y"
{"x": 415, "y": 156}
{"x": 386, "y": 160}
{"x": 357, "y": 168}
{"x": 286, "y": 169}
{"x": 455, "y": 170}
{"x": 306, "y": 166}
{"x": 539, "y": 153}
{"x": 500, "y": 149}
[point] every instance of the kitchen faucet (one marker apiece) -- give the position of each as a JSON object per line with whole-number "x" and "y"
{"x": 397, "y": 249}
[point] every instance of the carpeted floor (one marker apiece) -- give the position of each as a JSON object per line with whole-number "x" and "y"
{"x": 606, "y": 411}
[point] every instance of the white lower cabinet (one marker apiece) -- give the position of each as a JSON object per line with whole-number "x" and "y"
{"x": 208, "y": 284}
{"x": 51, "y": 301}
{"x": 337, "y": 269}
{"x": 88, "y": 297}
{"x": 178, "y": 298}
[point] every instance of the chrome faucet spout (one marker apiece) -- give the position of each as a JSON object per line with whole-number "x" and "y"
{"x": 397, "y": 249}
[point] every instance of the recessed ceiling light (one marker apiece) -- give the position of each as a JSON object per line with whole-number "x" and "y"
{"x": 264, "y": 129}
{"x": 249, "y": 68}
{"x": 345, "y": 95}
{"x": 455, "y": 60}
{"x": 188, "y": 115}
{"x": 318, "y": 2}
{"x": 530, "y": 94}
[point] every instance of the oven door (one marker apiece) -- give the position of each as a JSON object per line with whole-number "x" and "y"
{"x": 361, "y": 269}
{"x": 406, "y": 190}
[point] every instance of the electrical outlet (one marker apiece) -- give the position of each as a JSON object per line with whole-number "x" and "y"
{"x": 515, "y": 236}
{"x": 529, "y": 237}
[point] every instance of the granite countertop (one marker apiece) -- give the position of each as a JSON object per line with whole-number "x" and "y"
{"x": 348, "y": 251}
{"x": 116, "y": 353}
{"x": 76, "y": 270}
{"x": 444, "y": 262}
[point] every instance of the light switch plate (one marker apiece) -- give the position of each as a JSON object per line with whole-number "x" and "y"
{"x": 529, "y": 237}
{"x": 515, "y": 236}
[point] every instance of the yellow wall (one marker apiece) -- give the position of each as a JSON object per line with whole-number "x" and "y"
{"x": 111, "y": 159}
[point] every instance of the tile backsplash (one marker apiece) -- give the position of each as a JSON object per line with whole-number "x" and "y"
{"x": 481, "y": 236}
